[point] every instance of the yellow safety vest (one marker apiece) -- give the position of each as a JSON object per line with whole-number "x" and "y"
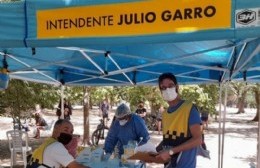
{"x": 37, "y": 156}
{"x": 176, "y": 125}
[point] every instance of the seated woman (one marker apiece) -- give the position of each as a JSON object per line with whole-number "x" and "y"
{"x": 40, "y": 123}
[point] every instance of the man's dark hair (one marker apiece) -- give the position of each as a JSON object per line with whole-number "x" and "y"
{"x": 167, "y": 75}
{"x": 60, "y": 122}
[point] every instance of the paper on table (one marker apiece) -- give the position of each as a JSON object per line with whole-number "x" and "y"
{"x": 84, "y": 156}
{"x": 146, "y": 152}
{"x": 147, "y": 147}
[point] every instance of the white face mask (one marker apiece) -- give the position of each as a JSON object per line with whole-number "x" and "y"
{"x": 169, "y": 94}
{"x": 123, "y": 122}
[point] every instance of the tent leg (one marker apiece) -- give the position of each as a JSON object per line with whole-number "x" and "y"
{"x": 224, "y": 124}
{"x": 62, "y": 102}
{"x": 258, "y": 145}
{"x": 219, "y": 126}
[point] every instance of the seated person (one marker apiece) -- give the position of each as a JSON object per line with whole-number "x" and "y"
{"x": 52, "y": 153}
{"x": 204, "y": 119}
{"x": 40, "y": 123}
{"x": 25, "y": 126}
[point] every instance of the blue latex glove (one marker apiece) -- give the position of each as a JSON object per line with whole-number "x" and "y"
{"x": 106, "y": 156}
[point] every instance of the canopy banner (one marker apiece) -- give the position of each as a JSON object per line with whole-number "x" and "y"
{"x": 134, "y": 18}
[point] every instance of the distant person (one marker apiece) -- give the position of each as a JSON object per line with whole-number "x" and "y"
{"x": 104, "y": 108}
{"x": 52, "y": 153}
{"x": 159, "y": 119}
{"x": 67, "y": 109}
{"x": 204, "y": 119}
{"x": 38, "y": 109}
{"x": 203, "y": 144}
{"x": 40, "y": 124}
{"x": 126, "y": 127}
{"x": 25, "y": 126}
{"x": 141, "y": 111}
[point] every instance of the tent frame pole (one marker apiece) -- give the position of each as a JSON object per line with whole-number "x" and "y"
{"x": 219, "y": 126}
{"x": 224, "y": 124}
{"x": 62, "y": 101}
{"x": 258, "y": 145}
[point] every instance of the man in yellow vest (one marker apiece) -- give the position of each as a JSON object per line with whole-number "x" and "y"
{"x": 181, "y": 127}
{"x": 52, "y": 153}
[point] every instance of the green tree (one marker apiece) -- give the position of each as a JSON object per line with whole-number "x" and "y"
{"x": 20, "y": 98}
{"x": 17, "y": 99}
{"x": 212, "y": 95}
{"x": 44, "y": 95}
{"x": 135, "y": 94}
{"x": 202, "y": 96}
{"x": 256, "y": 90}
{"x": 240, "y": 90}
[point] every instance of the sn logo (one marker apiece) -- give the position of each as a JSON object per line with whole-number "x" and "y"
{"x": 245, "y": 17}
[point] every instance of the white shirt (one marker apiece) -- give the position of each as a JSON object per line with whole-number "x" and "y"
{"x": 56, "y": 155}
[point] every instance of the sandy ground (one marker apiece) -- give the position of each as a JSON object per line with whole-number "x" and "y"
{"x": 240, "y": 143}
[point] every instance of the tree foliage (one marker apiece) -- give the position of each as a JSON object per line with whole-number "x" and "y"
{"x": 256, "y": 91}
{"x": 204, "y": 96}
{"x": 20, "y": 98}
{"x": 16, "y": 99}
{"x": 240, "y": 89}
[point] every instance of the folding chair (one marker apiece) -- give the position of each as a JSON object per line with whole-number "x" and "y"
{"x": 18, "y": 143}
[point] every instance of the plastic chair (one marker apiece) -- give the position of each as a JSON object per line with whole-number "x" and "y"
{"x": 18, "y": 143}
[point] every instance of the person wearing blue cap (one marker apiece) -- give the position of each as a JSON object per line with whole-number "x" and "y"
{"x": 127, "y": 127}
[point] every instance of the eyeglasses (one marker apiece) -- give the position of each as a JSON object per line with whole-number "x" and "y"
{"x": 171, "y": 85}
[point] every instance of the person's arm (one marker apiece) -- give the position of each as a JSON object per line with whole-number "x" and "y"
{"x": 111, "y": 139}
{"x": 141, "y": 130}
{"x": 75, "y": 164}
